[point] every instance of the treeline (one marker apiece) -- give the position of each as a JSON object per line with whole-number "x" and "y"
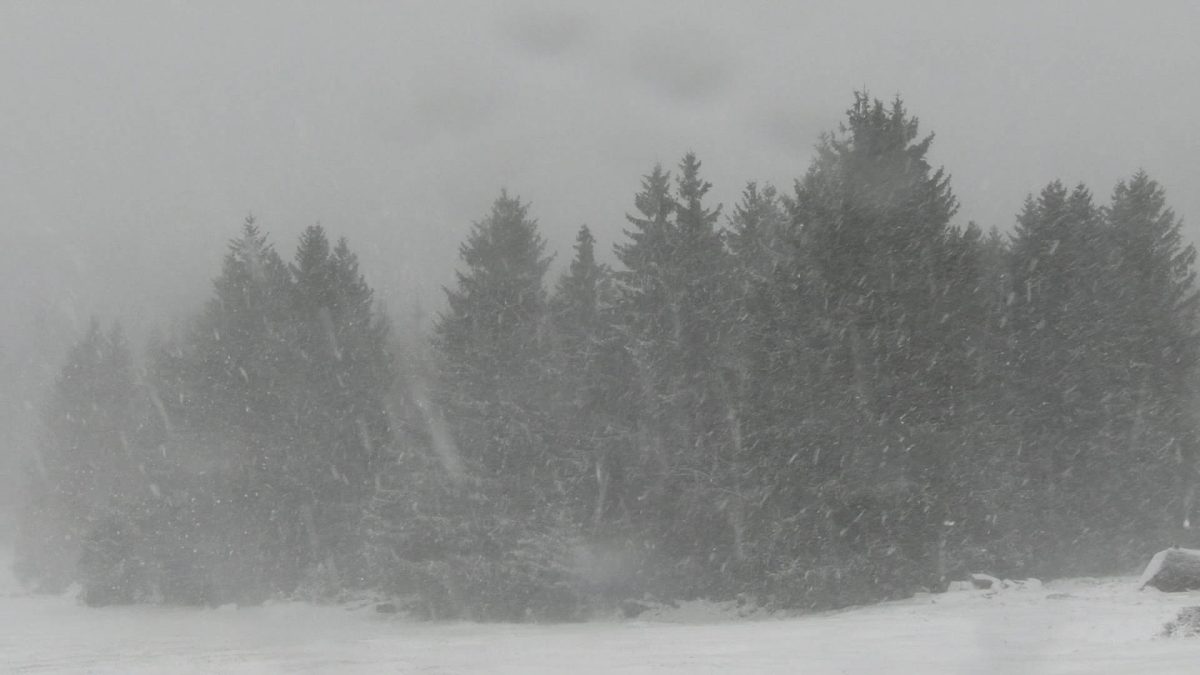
{"x": 825, "y": 397}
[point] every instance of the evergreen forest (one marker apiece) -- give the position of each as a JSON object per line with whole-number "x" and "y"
{"x": 821, "y": 395}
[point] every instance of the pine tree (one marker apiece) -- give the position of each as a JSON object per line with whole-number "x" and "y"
{"x": 87, "y": 459}
{"x": 1056, "y": 266}
{"x": 757, "y": 233}
{"x": 577, "y": 303}
{"x": 230, "y": 369}
{"x": 677, "y": 313}
{"x": 342, "y": 376}
{"x": 875, "y": 220}
{"x": 592, "y": 370}
{"x": 1059, "y": 336}
{"x": 341, "y": 344}
{"x": 280, "y": 388}
{"x": 491, "y": 341}
{"x": 221, "y": 388}
{"x": 1153, "y": 280}
{"x": 467, "y": 521}
{"x": 1149, "y": 360}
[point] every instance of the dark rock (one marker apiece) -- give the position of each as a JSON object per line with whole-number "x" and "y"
{"x": 631, "y": 609}
{"x": 1186, "y": 624}
{"x": 985, "y": 581}
{"x": 1173, "y": 570}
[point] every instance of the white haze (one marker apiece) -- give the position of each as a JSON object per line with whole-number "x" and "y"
{"x": 135, "y": 137}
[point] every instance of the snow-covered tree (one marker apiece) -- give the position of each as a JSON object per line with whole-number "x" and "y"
{"x": 87, "y": 459}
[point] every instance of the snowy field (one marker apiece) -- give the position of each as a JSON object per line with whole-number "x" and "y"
{"x": 1081, "y": 626}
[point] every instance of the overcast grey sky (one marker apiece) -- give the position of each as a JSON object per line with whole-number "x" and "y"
{"x": 135, "y": 137}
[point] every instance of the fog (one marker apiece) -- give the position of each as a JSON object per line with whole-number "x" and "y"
{"x": 136, "y": 137}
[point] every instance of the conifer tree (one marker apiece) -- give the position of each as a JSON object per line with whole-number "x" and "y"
{"x": 491, "y": 340}
{"x": 1148, "y": 365}
{"x": 1056, "y": 266}
{"x": 677, "y": 313}
{"x": 1060, "y": 336}
{"x": 342, "y": 375}
{"x": 279, "y": 387}
{"x": 467, "y": 521}
{"x": 87, "y": 460}
{"x": 592, "y": 371}
{"x": 757, "y": 233}
{"x": 1154, "y": 286}
{"x": 223, "y": 391}
{"x": 230, "y": 369}
{"x": 874, "y": 217}
{"x": 341, "y": 344}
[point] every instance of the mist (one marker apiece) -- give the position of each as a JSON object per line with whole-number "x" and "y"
{"x": 140, "y": 129}
{"x": 136, "y": 138}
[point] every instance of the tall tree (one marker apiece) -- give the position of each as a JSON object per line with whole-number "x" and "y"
{"x": 341, "y": 342}
{"x": 1154, "y": 282}
{"x": 677, "y": 312}
{"x": 1149, "y": 363}
{"x": 342, "y": 376}
{"x": 467, "y": 521}
{"x": 1061, "y": 332}
{"x": 229, "y": 370}
{"x": 490, "y": 340}
{"x": 279, "y": 387}
{"x": 87, "y": 460}
{"x": 592, "y": 371}
{"x": 1057, "y": 264}
{"x": 224, "y": 389}
{"x": 875, "y": 220}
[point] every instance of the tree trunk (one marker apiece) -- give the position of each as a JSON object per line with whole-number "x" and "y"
{"x": 1173, "y": 570}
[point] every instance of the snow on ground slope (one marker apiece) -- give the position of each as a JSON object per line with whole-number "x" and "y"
{"x": 1080, "y": 626}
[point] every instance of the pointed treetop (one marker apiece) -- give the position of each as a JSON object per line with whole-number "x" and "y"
{"x": 505, "y": 237}
{"x": 691, "y": 188}
{"x": 654, "y": 201}
{"x": 585, "y": 248}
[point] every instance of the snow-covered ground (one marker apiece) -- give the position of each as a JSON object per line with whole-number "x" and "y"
{"x": 1079, "y": 626}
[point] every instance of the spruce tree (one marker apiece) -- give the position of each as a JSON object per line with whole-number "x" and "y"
{"x": 677, "y": 313}
{"x": 1056, "y": 264}
{"x": 591, "y": 375}
{"x": 491, "y": 340}
{"x": 467, "y": 517}
{"x": 273, "y": 407}
{"x": 1153, "y": 280}
{"x": 223, "y": 390}
{"x": 1150, "y": 356}
{"x": 230, "y": 369}
{"x": 758, "y": 233}
{"x": 1058, "y": 340}
{"x": 874, "y": 218}
{"x": 342, "y": 375}
{"x": 87, "y": 461}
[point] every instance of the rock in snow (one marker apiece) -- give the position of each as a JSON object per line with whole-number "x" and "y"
{"x": 985, "y": 581}
{"x": 1173, "y": 570}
